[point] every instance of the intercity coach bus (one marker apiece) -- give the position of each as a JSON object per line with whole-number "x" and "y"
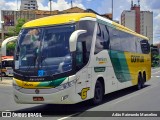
{"x": 69, "y": 58}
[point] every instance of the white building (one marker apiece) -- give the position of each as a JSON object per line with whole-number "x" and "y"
{"x": 128, "y": 19}
{"x": 139, "y": 21}
{"x": 146, "y": 27}
{"x": 28, "y": 5}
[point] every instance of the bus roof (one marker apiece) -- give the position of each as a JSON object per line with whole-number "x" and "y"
{"x": 58, "y": 19}
{"x": 125, "y": 29}
{"x": 74, "y": 17}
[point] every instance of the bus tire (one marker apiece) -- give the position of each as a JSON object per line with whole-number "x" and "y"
{"x": 143, "y": 80}
{"x": 3, "y": 74}
{"x": 98, "y": 93}
{"x": 140, "y": 82}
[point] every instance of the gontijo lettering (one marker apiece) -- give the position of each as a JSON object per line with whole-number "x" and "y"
{"x": 137, "y": 58}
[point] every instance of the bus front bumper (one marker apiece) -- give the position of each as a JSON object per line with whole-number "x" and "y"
{"x": 66, "y": 96}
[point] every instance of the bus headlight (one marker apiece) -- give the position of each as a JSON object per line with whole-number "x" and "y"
{"x": 66, "y": 85}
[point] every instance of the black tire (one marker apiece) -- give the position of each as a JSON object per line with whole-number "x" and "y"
{"x": 140, "y": 82}
{"x": 98, "y": 93}
{"x": 3, "y": 74}
{"x": 143, "y": 80}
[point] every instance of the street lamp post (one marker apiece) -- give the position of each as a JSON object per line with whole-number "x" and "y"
{"x": 112, "y": 9}
{"x": 50, "y": 6}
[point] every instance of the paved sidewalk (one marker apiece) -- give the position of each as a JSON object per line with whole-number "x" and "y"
{"x": 6, "y": 81}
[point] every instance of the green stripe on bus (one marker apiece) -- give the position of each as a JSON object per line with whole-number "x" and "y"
{"x": 53, "y": 83}
{"x": 120, "y": 66}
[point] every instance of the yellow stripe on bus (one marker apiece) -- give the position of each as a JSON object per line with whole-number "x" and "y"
{"x": 28, "y": 85}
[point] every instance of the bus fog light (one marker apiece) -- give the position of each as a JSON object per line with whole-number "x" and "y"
{"x": 64, "y": 97}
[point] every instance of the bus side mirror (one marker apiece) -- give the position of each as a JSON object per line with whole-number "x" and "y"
{"x": 73, "y": 39}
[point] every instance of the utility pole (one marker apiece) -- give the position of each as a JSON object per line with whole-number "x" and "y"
{"x": 71, "y": 4}
{"x": 50, "y": 6}
{"x": 17, "y": 5}
{"x": 112, "y": 9}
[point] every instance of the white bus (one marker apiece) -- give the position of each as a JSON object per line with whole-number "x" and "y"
{"x": 6, "y": 66}
{"x": 69, "y": 58}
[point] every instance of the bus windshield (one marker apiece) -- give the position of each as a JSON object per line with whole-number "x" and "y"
{"x": 45, "y": 49}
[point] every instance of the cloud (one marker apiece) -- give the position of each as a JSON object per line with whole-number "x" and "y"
{"x": 89, "y": 0}
{"x": 157, "y": 17}
{"x": 151, "y": 6}
{"x": 146, "y": 5}
{"x": 100, "y": 6}
{"x": 10, "y": 5}
{"x": 60, "y": 5}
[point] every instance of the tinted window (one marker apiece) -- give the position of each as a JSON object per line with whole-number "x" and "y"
{"x": 86, "y": 38}
{"x": 145, "y": 47}
{"x": 102, "y": 39}
{"x": 122, "y": 41}
{"x": 115, "y": 42}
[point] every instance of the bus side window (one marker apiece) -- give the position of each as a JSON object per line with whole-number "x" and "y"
{"x": 145, "y": 47}
{"x": 80, "y": 54}
{"x": 102, "y": 40}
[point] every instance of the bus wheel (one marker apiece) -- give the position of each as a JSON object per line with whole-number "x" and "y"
{"x": 140, "y": 82}
{"x": 143, "y": 80}
{"x": 98, "y": 93}
{"x": 3, "y": 74}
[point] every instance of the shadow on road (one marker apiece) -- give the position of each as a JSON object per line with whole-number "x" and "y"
{"x": 76, "y": 109}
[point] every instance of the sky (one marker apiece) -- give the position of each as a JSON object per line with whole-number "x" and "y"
{"x": 100, "y": 6}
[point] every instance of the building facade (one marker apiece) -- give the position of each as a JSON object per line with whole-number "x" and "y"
{"x": 147, "y": 24}
{"x": 128, "y": 19}
{"x": 139, "y": 21}
{"x": 29, "y": 5}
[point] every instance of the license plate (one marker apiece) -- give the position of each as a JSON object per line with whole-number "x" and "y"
{"x": 38, "y": 99}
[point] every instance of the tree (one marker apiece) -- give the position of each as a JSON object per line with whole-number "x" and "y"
{"x": 10, "y": 48}
{"x": 14, "y": 31}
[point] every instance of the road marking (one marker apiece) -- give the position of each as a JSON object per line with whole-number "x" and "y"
{"x": 63, "y": 118}
{"x": 68, "y": 116}
{"x": 155, "y": 76}
{"x": 155, "y": 69}
{"x": 156, "y": 72}
{"x": 144, "y": 90}
{"x": 7, "y": 110}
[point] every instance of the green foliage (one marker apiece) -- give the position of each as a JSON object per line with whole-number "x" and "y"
{"x": 10, "y": 48}
{"x": 155, "y": 60}
{"x": 14, "y": 31}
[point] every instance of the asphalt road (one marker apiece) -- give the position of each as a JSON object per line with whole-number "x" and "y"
{"x": 146, "y": 99}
